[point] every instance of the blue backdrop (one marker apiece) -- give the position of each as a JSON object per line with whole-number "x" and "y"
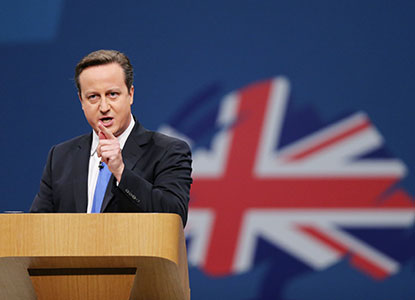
{"x": 339, "y": 56}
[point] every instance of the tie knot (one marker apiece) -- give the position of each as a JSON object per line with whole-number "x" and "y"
{"x": 102, "y": 166}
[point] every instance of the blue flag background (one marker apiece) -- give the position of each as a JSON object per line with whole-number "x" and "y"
{"x": 340, "y": 57}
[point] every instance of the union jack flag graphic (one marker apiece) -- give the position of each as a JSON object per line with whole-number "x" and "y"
{"x": 302, "y": 187}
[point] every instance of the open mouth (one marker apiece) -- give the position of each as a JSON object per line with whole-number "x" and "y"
{"x": 106, "y": 120}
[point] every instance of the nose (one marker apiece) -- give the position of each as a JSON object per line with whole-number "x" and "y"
{"x": 104, "y": 107}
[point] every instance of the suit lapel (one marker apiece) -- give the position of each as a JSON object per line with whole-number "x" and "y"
{"x": 131, "y": 153}
{"x": 80, "y": 167}
{"x": 133, "y": 148}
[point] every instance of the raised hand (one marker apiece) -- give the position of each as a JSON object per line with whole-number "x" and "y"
{"x": 109, "y": 151}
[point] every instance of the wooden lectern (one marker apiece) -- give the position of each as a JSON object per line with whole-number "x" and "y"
{"x": 93, "y": 256}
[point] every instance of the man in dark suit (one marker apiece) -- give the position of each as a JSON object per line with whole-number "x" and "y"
{"x": 147, "y": 171}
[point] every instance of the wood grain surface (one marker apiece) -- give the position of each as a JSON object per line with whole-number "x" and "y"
{"x": 154, "y": 244}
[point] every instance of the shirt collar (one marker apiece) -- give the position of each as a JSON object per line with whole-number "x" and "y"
{"x": 121, "y": 138}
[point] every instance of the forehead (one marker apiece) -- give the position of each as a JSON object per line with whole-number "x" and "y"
{"x": 102, "y": 76}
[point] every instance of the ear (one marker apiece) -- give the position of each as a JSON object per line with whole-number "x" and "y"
{"x": 80, "y": 99}
{"x": 131, "y": 95}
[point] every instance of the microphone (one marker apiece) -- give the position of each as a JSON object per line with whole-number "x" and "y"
{"x": 100, "y": 166}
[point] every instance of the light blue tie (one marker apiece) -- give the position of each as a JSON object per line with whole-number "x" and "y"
{"x": 100, "y": 188}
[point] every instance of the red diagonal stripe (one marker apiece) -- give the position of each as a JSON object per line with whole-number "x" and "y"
{"x": 365, "y": 264}
{"x": 327, "y": 143}
{"x": 325, "y": 239}
{"x": 369, "y": 267}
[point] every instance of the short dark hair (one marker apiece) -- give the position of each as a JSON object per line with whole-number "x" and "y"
{"x": 103, "y": 57}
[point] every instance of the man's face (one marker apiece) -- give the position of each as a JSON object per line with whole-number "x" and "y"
{"x": 105, "y": 97}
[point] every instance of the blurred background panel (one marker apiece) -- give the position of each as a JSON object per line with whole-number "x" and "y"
{"x": 299, "y": 114}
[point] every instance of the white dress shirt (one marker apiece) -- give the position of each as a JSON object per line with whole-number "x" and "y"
{"x": 94, "y": 160}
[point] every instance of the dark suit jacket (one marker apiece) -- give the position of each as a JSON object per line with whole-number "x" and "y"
{"x": 156, "y": 177}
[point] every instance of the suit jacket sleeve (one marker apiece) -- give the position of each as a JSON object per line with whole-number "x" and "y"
{"x": 164, "y": 187}
{"x": 43, "y": 201}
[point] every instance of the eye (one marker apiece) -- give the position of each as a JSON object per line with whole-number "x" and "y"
{"x": 113, "y": 95}
{"x": 93, "y": 98}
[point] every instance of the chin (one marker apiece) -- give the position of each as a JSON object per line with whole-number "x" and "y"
{"x": 116, "y": 133}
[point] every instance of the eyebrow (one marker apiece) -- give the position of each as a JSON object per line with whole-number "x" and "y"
{"x": 114, "y": 89}
{"x": 106, "y": 91}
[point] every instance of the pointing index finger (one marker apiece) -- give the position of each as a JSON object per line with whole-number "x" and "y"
{"x": 106, "y": 132}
